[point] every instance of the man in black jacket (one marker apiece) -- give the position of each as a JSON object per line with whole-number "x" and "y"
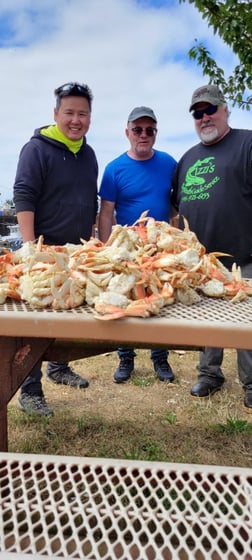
{"x": 55, "y": 195}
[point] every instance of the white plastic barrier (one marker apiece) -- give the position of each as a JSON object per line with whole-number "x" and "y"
{"x": 56, "y": 507}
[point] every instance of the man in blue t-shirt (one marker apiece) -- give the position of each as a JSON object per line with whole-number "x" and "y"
{"x": 136, "y": 181}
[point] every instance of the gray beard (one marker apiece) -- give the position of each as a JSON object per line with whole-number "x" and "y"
{"x": 208, "y": 137}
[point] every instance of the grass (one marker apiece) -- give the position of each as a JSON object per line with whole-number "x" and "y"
{"x": 142, "y": 419}
{"x": 234, "y": 425}
{"x": 171, "y": 418}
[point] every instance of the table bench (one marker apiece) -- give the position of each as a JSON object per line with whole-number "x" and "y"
{"x": 76, "y": 507}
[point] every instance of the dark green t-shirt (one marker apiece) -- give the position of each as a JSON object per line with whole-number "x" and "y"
{"x": 212, "y": 188}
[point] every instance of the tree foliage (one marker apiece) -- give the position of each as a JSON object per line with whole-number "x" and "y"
{"x": 232, "y": 21}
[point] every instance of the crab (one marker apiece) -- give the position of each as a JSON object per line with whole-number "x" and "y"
{"x": 140, "y": 269}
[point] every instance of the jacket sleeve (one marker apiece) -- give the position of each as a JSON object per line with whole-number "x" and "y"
{"x": 29, "y": 178}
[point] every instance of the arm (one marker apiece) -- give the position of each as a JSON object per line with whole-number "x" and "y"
{"x": 106, "y": 220}
{"x": 174, "y": 219}
{"x": 26, "y": 225}
{"x": 27, "y": 188}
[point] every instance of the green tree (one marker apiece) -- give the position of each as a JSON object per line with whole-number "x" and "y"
{"x": 232, "y": 21}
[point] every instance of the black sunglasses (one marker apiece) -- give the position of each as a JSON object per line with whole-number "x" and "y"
{"x": 149, "y": 130}
{"x": 198, "y": 114}
{"x": 73, "y": 88}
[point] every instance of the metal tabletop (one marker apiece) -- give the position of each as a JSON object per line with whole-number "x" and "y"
{"x": 212, "y": 322}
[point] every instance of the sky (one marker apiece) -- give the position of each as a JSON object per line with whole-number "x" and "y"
{"x": 129, "y": 52}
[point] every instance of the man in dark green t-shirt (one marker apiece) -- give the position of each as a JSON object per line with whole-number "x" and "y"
{"x": 212, "y": 188}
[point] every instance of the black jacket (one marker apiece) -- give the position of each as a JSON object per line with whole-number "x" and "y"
{"x": 59, "y": 187}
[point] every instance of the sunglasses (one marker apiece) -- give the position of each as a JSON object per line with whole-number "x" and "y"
{"x": 211, "y": 110}
{"x": 149, "y": 130}
{"x": 73, "y": 88}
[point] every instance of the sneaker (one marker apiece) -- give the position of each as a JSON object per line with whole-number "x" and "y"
{"x": 34, "y": 404}
{"x": 124, "y": 370}
{"x": 248, "y": 401}
{"x": 68, "y": 377}
{"x": 163, "y": 370}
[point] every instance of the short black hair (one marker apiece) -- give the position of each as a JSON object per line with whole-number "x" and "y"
{"x": 73, "y": 89}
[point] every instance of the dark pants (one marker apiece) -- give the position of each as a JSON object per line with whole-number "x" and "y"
{"x": 209, "y": 366}
{"x": 156, "y": 354}
{"x": 32, "y": 383}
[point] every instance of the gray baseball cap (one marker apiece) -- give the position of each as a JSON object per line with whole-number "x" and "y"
{"x": 140, "y": 112}
{"x": 209, "y": 93}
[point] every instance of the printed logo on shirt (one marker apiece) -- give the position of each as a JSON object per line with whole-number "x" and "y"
{"x": 199, "y": 180}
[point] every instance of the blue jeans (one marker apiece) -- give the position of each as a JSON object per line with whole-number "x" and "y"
{"x": 156, "y": 354}
{"x": 32, "y": 383}
{"x": 209, "y": 366}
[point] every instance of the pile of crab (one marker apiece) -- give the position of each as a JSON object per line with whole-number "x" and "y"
{"x": 139, "y": 270}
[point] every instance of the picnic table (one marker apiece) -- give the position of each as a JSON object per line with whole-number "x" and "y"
{"x": 26, "y": 335}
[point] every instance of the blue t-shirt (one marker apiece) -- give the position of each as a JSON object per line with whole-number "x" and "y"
{"x": 138, "y": 185}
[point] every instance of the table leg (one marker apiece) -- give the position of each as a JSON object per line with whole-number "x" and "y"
{"x": 18, "y": 357}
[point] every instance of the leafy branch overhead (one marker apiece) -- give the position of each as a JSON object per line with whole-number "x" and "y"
{"x": 232, "y": 21}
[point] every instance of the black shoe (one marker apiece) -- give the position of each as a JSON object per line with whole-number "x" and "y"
{"x": 34, "y": 405}
{"x": 205, "y": 388}
{"x": 68, "y": 377}
{"x": 124, "y": 370}
{"x": 248, "y": 400}
{"x": 163, "y": 370}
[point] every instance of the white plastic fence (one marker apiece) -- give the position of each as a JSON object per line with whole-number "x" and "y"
{"x": 54, "y": 507}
